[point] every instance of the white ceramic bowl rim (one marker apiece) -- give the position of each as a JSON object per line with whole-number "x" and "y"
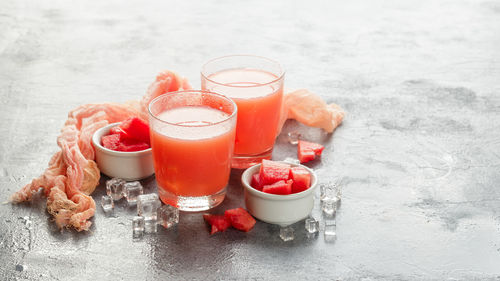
{"x": 252, "y": 170}
{"x": 96, "y": 140}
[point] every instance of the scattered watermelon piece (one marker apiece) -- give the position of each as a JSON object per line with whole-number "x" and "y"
{"x": 301, "y": 179}
{"x": 219, "y": 223}
{"x": 240, "y": 219}
{"x": 271, "y": 172}
{"x": 256, "y": 182}
{"x": 136, "y": 128}
{"x": 308, "y": 151}
{"x": 280, "y": 187}
{"x": 111, "y": 141}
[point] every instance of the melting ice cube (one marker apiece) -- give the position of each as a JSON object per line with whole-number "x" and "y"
{"x": 107, "y": 203}
{"x": 329, "y": 206}
{"x": 132, "y": 191}
{"x": 286, "y": 233}
{"x": 330, "y": 190}
{"x": 330, "y": 231}
{"x": 311, "y": 225}
{"x": 137, "y": 227}
{"x": 114, "y": 188}
{"x": 168, "y": 216}
{"x": 147, "y": 204}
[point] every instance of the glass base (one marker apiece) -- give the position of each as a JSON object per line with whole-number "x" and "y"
{"x": 245, "y": 161}
{"x": 192, "y": 204}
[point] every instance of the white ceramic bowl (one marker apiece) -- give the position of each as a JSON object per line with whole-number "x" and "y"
{"x": 118, "y": 164}
{"x": 278, "y": 209}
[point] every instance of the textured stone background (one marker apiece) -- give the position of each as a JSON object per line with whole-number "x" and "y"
{"x": 419, "y": 150}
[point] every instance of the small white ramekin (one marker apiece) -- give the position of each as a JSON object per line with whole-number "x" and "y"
{"x": 118, "y": 164}
{"x": 282, "y": 210}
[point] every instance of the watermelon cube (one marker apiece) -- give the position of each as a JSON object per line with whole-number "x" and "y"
{"x": 240, "y": 219}
{"x": 136, "y": 128}
{"x": 280, "y": 187}
{"x": 256, "y": 182}
{"x": 218, "y": 223}
{"x": 308, "y": 151}
{"x": 271, "y": 172}
{"x": 111, "y": 141}
{"x": 301, "y": 179}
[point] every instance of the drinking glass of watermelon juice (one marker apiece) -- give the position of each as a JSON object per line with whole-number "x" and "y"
{"x": 192, "y": 138}
{"x": 255, "y": 84}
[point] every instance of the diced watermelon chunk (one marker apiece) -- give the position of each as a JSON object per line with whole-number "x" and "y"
{"x": 256, "y": 182}
{"x": 111, "y": 141}
{"x": 271, "y": 172}
{"x": 131, "y": 135}
{"x": 136, "y": 128}
{"x": 240, "y": 219}
{"x": 281, "y": 187}
{"x": 218, "y": 223}
{"x": 131, "y": 147}
{"x": 308, "y": 151}
{"x": 301, "y": 179}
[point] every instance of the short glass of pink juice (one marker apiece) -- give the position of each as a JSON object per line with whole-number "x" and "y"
{"x": 255, "y": 84}
{"x": 192, "y": 138}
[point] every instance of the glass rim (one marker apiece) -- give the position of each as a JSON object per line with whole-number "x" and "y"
{"x": 280, "y": 76}
{"x": 233, "y": 114}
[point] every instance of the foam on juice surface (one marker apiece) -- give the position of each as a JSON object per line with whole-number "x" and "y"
{"x": 243, "y": 79}
{"x": 192, "y": 121}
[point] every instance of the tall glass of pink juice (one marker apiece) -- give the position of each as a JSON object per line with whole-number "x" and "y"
{"x": 255, "y": 84}
{"x": 192, "y": 137}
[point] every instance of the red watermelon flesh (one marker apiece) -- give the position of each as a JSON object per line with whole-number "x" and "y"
{"x": 111, "y": 141}
{"x": 301, "y": 179}
{"x": 280, "y": 187}
{"x": 131, "y": 147}
{"x": 136, "y": 128}
{"x": 271, "y": 172}
{"x": 240, "y": 219}
{"x": 308, "y": 151}
{"x": 131, "y": 135}
{"x": 218, "y": 223}
{"x": 256, "y": 182}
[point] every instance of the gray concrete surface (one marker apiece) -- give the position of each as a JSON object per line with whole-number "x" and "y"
{"x": 419, "y": 150}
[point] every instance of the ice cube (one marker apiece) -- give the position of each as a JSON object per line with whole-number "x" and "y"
{"x": 137, "y": 227}
{"x": 150, "y": 225}
{"x": 291, "y": 160}
{"x": 168, "y": 216}
{"x": 286, "y": 233}
{"x": 311, "y": 225}
{"x": 114, "y": 188}
{"x": 107, "y": 203}
{"x": 293, "y": 137}
{"x": 329, "y": 206}
{"x": 132, "y": 191}
{"x": 330, "y": 190}
{"x": 330, "y": 231}
{"x": 147, "y": 204}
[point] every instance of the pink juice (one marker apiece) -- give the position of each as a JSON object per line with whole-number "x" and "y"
{"x": 259, "y": 106}
{"x": 191, "y": 162}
